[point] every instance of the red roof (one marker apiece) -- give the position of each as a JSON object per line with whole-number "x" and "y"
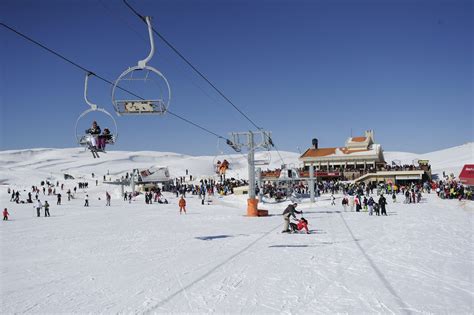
{"x": 319, "y": 152}
{"x": 358, "y": 139}
{"x": 467, "y": 175}
{"x": 328, "y": 151}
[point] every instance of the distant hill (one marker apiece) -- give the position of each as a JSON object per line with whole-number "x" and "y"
{"x": 18, "y": 165}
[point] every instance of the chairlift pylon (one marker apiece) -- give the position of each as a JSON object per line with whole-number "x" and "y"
{"x": 156, "y": 105}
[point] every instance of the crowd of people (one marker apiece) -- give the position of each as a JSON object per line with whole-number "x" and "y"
{"x": 358, "y": 197}
{"x": 450, "y": 188}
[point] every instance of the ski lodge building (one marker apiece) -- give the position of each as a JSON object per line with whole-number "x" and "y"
{"x": 360, "y": 153}
{"x": 360, "y": 160}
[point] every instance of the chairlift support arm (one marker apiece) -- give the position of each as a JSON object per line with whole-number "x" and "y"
{"x": 142, "y": 63}
{"x": 86, "y": 82}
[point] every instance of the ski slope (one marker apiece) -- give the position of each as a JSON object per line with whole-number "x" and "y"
{"x": 138, "y": 258}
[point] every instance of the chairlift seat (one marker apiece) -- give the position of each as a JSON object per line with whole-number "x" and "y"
{"x": 130, "y": 107}
{"x": 85, "y": 140}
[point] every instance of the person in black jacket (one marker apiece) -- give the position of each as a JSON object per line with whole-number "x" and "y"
{"x": 382, "y": 203}
{"x": 289, "y": 211}
{"x": 94, "y": 131}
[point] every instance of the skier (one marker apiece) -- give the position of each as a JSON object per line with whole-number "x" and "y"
{"x": 364, "y": 202}
{"x": 38, "y": 207}
{"x": 333, "y": 199}
{"x": 182, "y": 205}
{"x": 59, "y": 199}
{"x": 302, "y": 224}
{"x": 86, "y": 201}
{"x": 94, "y": 133}
{"x": 394, "y": 197}
{"x": 382, "y": 203}
{"x": 289, "y": 211}
{"x": 5, "y": 214}
{"x": 46, "y": 209}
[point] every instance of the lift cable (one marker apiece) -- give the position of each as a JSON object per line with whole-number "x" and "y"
{"x": 104, "y": 79}
{"x": 198, "y": 72}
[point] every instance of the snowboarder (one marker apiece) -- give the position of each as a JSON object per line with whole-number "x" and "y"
{"x": 5, "y": 214}
{"x": 289, "y": 211}
{"x": 46, "y": 209}
{"x": 182, "y": 205}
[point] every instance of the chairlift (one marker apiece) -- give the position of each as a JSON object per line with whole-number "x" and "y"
{"x": 265, "y": 157}
{"x": 220, "y": 158}
{"x": 268, "y": 200}
{"x": 87, "y": 140}
{"x": 158, "y": 104}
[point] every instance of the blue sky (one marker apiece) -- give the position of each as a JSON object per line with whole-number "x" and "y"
{"x": 301, "y": 69}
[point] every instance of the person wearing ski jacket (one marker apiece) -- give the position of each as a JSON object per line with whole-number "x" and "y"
{"x": 382, "y": 203}
{"x": 370, "y": 203}
{"x": 289, "y": 211}
{"x": 357, "y": 203}
{"x": 182, "y": 205}
{"x": 94, "y": 130}
{"x": 302, "y": 224}
{"x": 38, "y": 207}
{"x": 46, "y": 209}
{"x": 5, "y": 214}
{"x": 345, "y": 202}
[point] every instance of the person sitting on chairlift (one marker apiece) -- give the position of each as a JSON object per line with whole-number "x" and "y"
{"x": 104, "y": 138}
{"x": 94, "y": 131}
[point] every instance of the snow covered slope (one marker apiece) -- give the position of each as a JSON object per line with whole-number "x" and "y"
{"x": 139, "y": 258}
{"x": 449, "y": 160}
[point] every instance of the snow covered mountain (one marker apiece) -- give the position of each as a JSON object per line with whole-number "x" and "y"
{"x": 16, "y": 164}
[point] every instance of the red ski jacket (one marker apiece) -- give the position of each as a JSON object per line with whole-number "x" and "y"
{"x": 302, "y": 225}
